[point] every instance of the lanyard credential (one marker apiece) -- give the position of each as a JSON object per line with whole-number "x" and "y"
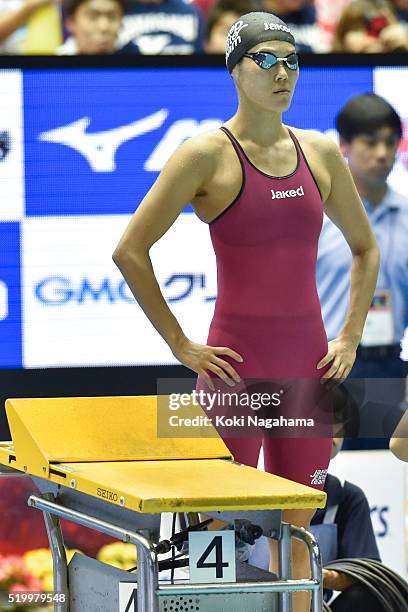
{"x": 379, "y": 328}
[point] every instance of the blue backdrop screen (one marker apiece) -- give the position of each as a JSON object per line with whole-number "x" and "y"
{"x": 79, "y": 149}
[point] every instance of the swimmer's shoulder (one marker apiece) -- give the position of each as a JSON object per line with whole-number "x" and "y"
{"x": 321, "y": 144}
{"x": 219, "y": 171}
{"x": 194, "y": 160}
{"x": 322, "y": 155}
{"x": 314, "y": 138}
{"x": 208, "y": 147}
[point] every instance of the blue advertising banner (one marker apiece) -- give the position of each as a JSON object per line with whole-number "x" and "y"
{"x": 99, "y": 141}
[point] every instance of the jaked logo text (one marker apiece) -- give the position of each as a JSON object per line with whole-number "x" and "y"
{"x": 290, "y": 193}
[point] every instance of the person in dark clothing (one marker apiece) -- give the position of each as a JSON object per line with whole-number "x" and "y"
{"x": 355, "y": 534}
{"x": 164, "y": 27}
{"x": 356, "y": 599}
{"x": 348, "y": 534}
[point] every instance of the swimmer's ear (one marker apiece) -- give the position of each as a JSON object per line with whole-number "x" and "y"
{"x": 236, "y": 71}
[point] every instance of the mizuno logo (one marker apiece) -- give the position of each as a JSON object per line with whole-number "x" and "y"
{"x": 99, "y": 148}
{"x": 290, "y": 193}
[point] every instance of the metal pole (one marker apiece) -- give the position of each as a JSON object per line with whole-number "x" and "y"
{"x": 146, "y": 553}
{"x": 285, "y": 565}
{"x": 238, "y": 587}
{"x": 141, "y": 579}
{"x": 59, "y": 559}
{"x": 147, "y": 581}
{"x": 308, "y": 538}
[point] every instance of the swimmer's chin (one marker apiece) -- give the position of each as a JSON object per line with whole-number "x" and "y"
{"x": 282, "y": 99}
{"x": 280, "y": 105}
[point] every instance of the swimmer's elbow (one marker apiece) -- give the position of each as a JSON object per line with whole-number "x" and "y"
{"x": 366, "y": 244}
{"x": 123, "y": 255}
{"x": 134, "y": 244}
{"x": 372, "y": 249}
{"x": 375, "y": 254}
{"x": 117, "y": 255}
{"x": 120, "y": 253}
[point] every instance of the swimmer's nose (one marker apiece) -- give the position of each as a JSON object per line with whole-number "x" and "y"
{"x": 281, "y": 71}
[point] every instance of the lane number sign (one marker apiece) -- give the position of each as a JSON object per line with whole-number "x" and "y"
{"x": 212, "y": 556}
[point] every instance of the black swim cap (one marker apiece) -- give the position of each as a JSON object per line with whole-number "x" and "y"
{"x": 251, "y": 29}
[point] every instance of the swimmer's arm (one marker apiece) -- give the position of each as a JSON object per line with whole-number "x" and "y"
{"x": 179, "y": 181}
{"x": 399, "y": 439}
{"x": 345, "y": 208}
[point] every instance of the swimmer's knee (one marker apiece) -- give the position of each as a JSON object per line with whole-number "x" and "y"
{"x": 299, "y": 518}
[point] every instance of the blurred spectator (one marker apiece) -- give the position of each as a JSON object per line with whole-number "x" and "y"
{"x": 94, "y": 25}
{"x": 221, "y": 18}
{"x": 14, "y": 15}
{"x": 327, "y": 16}
{"x": 300, "y": 16}
{"x": 204, "y": 6}
{"x": 370, "y": 26}
{"x": 164, "y": 27}
{"x": 370, "y": 131}
{"x": 401, "y": 9}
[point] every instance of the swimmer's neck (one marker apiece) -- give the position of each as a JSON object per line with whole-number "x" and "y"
{"x": 263, "y": 128}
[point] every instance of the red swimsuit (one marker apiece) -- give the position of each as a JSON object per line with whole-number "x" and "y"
{"x": 267, "y": 307}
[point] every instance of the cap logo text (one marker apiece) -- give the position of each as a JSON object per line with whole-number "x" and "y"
{"x": 234, "y": 38}
{"x": 276, "y": 26}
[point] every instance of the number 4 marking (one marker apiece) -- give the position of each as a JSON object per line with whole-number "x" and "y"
{"x": 132, "y": 603}
{"x": 219, "y": 564}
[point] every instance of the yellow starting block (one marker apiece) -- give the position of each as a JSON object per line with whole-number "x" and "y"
{"x": 99, "y": 462}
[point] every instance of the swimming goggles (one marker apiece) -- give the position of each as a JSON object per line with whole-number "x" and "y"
{"x": 266, "y": 59}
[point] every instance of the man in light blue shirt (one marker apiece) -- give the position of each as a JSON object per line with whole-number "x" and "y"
{"x": 370, "y": 131}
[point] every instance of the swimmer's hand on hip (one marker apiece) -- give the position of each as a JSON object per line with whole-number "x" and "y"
{"x": 342, "y": 352}
{"x": 201, "y": 357}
